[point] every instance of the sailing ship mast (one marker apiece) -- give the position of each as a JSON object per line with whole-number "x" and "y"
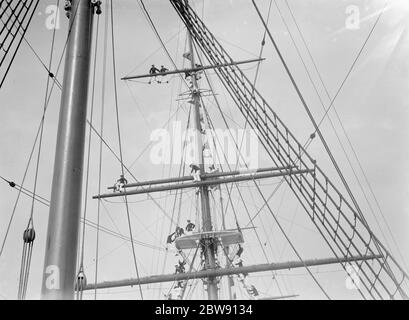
{"x": 64, "y": 220}
{"x": 208, "y": 245}
{"x": 66, "y": 197}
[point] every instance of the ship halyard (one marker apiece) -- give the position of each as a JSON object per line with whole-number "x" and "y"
{"x": 203, "y": 150}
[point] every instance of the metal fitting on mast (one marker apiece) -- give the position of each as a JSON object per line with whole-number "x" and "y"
{"x": 97, "y": 7}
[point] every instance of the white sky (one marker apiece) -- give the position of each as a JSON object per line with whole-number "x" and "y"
{"x": 372, "y": 106}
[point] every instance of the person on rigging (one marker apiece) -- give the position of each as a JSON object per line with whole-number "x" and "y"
{"x": 239, "y": 251}
{"x": 238, "y": 263}
{"x": 195, "y": 172}
{"x": 171, "y": 238}
{"x": 163, "y": 70}
{"x": 252, "y": 290}
{"x": 120, "y": 184}
{"x": 179, "y": 232}
{"x": 180, "y": 267}
{"x": 190, "y": 226}
{"x": 199, "y": 72}
{"x": 153, "y": 71}
{"x": 213, "y": 169}
{"x": 243, "y": 279}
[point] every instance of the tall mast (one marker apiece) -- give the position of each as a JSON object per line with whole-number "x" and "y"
{"x": 66, "y": 196}
{"x": 208, "y": 245}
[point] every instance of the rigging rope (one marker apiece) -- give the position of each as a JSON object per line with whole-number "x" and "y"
{"x": 29, "y": 233}
{"x": 155, "y": 30}
{"x": 33, "y": 147}
{"x": 238, "y": 149}
{"x": 104, "y": 79}
{"x": 347, "y": 137}
{"x": 316, "y": 126}
{"x": 20, "y": 14}
{"x": 342, "y": 228}
{"x": 89, "y": 223}
{"x": 241, "y": 198}
{"x": 120, "y": 142}
{"x": 81, "y": 277}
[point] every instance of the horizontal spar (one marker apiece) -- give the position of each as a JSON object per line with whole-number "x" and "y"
{"x": 191, "y": 70}
{"x": 209, "y": 182}
{"x": 225, "y": 272}
{"x": 203, "y": 176}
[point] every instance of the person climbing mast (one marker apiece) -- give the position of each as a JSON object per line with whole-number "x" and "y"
{"x": 190, "y": 226}
{"x": 239, "y": 251}
{"x": 195, "y": 172}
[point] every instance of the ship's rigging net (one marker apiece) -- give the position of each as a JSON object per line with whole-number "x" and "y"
{"x": 15, "y": 18}
{"x": 343, "y": 228}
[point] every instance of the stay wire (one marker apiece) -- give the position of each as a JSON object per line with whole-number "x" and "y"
{"x": 92, "y": 224}
{"x": 81, "y": 263}
{"x": 100, "y": 135}
{"x": 33, "y": 148}
{"x": 349, "y": 143}
{"x": 155, "y": 30}
{"x": 28, "y": 246}
{"x": 316, "y": 126}
{"x": 120, "y": 142}
{"x": 31, "y": 222}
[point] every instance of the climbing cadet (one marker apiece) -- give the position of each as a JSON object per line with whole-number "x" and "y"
{"x": 120, "y": 184}
{"x": 253, "y": 291}
{"x": 199, "y": 72}
{"x": 163, "y": 70}
{"x": 171, "y": 238}
{"x": 195, "y": 172}
{"x": 238, "y": 263}
{"x": 180, "y": 268}
{"x": 179, "y": 231}
{"x": 190, "y": 226}
{"x": 213, "y": 169}
{"x": 152, "y": 71}
{"x": 239, "y": 251}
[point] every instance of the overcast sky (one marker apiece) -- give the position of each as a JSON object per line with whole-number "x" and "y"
{"x": 373, "y": 108}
